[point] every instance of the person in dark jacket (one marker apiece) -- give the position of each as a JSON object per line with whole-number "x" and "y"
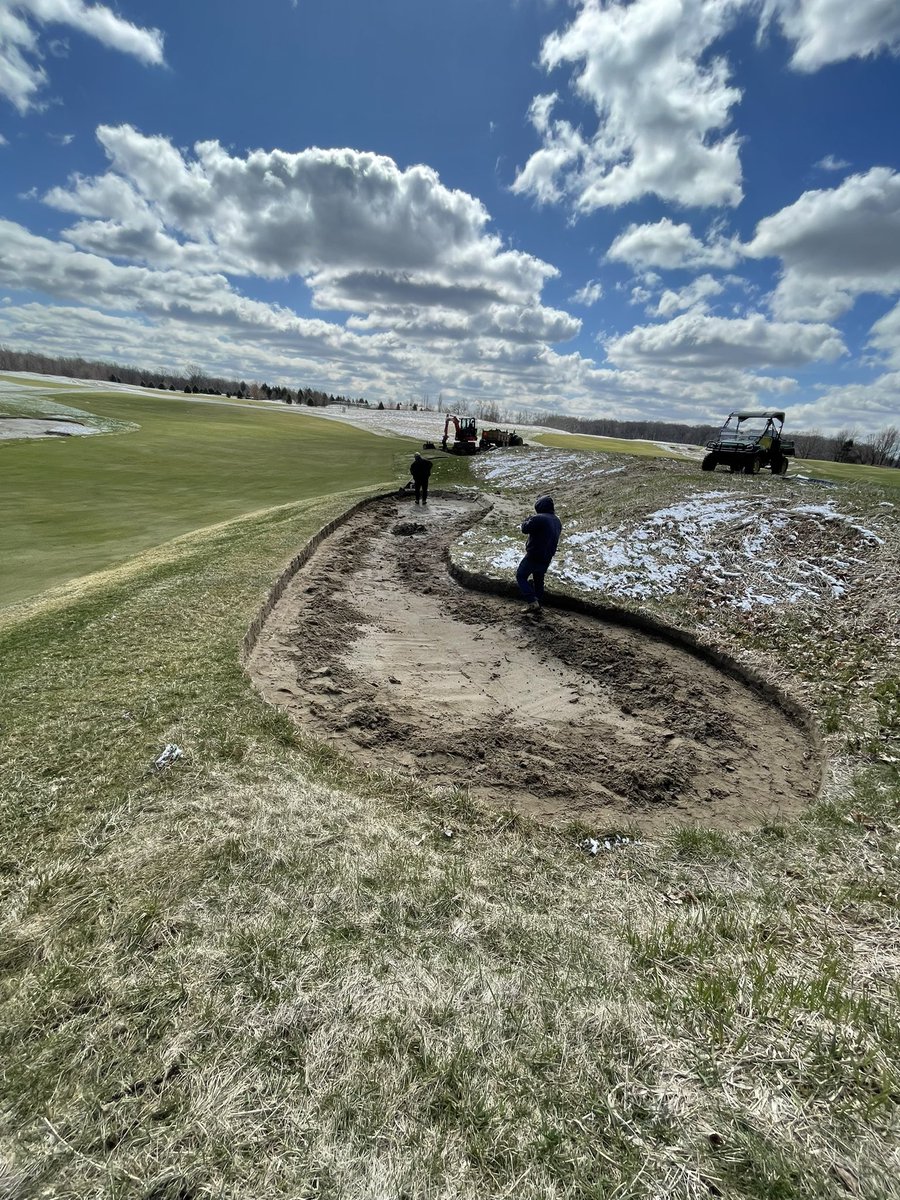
{"x": 543, "y": 531}
{"x": 420, "y": 469}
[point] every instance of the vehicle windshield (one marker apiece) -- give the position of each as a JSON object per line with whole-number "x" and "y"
{"x": 743, "y": 431}
{"x": 754, "y": 426}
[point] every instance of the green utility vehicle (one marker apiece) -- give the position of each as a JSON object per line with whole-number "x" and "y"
{"x": 749, "y": 441}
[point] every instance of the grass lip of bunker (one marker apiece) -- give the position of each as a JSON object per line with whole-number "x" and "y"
{"x": 373, "y": 646}
{"x": 748, "y": 442}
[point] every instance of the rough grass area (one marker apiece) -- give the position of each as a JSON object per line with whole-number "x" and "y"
{"x": 852, "y": 473}
{"x": 799, "y": 581}
{"x": 84, "y": 504}
{"x": 260, "y": 973}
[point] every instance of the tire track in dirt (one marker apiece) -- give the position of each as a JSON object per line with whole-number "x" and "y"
{"x": 376, "y": 649}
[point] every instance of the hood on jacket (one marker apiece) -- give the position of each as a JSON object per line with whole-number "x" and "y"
{"x": 544, "y": 504}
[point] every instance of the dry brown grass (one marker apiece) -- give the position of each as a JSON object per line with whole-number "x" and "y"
{"x": 262, "y": 973}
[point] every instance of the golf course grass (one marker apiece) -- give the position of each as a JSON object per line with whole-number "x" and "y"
{"x": 816, "y": 468}
{"x": 23, "y": 381}
{"x": 263, "y": 972}
{"x": 582, "y": 441}
{"x": 84, "y": 504}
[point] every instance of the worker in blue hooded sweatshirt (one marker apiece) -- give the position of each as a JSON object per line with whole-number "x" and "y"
{"x": 543, "y": 531}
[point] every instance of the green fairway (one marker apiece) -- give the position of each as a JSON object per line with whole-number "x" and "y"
{"x": 21, "y": 381}
{"x": 584, "y": 441}
{"x": 846, "y": 472}
{"x": 83, "y": 504}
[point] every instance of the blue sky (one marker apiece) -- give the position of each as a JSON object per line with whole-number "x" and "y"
{"x": 664, "y": 208}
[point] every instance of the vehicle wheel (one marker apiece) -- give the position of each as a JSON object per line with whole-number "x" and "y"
{"x": 709, "y": 463}
{"x": 752, "y": 466}
{"x": 784, "y": 466}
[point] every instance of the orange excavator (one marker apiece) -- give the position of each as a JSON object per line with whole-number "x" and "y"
{"x": 466, "y": 435}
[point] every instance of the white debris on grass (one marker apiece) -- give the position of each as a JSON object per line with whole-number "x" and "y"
{"x": 592, "y": 846}
{"x": 743, "y": 551}
{"x": 171, "y": 753}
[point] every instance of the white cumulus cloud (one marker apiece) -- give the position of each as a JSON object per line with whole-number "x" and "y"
{"x": 834, "y": 244}
{"x": 700, "y": 341}
{"x": 865, "y": 407}
{"x": 829, "y": 31}
{"x": 164, "y": 238}
{"x": 832, "y": 163}
{"x": 661, "y": 100}
{"x": 662, "y": 107}
{"x": 692, "y": 297}
{"x": 363, "y": 230}
{"x": 885, "y": 337}
{"x": 589, "y": 294}
{"x": 21, "y": 74}
{"x": 671, "y": 246}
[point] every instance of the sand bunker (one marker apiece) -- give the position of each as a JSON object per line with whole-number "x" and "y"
{"x": 374, "y": 648}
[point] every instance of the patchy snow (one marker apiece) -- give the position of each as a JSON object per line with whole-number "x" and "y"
{"x": 28, "y": 413}
{"x": 541, "y": 469}
{"x": 744, "y": 551}
{"x": 827, "y": 511}
{"x": 16, "y": 428}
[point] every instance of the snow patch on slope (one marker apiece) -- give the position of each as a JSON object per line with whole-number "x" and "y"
{"x": 741, "y": 551}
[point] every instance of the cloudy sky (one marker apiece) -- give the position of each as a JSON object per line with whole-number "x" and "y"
{"x": 649, "y": 208}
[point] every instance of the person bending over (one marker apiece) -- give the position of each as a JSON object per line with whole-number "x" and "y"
{"x": 420, "y": 469}
{"x": 543, "y": 529}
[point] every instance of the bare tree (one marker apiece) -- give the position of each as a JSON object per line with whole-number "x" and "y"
{"x": 844, "y": 445}
{"x": 884, "y": 445}
{"x": 195, "y": 377}
{"x": 814, "y": 444}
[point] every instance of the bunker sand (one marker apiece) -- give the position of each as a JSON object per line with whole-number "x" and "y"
{"x": 376, "y": 649}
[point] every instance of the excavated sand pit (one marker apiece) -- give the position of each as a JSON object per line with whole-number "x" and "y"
{"x": 376, "y": 649}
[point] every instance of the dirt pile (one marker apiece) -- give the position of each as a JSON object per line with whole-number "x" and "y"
{"x": 376, "y": 649}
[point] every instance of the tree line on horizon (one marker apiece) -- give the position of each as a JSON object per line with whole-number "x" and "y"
{"x": 193, "y": 380}
{"x": 880, "y": 449}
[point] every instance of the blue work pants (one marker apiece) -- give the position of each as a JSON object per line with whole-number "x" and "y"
{"x": 530, "y": 578}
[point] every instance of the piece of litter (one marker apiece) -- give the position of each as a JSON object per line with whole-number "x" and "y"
{"x": 171, "y": 753}
{"x": 592, "y": 845}
{"x": 448, "y": 833}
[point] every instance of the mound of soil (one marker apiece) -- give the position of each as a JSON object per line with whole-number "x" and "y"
{"x": 376, "y": 649}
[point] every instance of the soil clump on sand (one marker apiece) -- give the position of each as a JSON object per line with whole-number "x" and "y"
{"x": 376, "y": 649}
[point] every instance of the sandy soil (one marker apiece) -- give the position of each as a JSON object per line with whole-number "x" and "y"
{"x": 376, "y": 649}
